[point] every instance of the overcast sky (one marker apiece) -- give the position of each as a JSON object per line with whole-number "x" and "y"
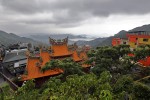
{"x": 92, "y": 17}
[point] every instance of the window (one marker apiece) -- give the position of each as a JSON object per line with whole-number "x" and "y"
{"x": 124, "y": 42}
{"x": 145, "y": 40}
{"x": 118, "y": 42}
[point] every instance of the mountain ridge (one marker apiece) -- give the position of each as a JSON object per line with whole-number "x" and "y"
{"x": 122, "y": 34}
{"x": 11, "y": 38}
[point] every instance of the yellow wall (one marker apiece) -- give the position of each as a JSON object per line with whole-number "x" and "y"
{"x": 140, "y": 40}
{"x": 132, "y": 45}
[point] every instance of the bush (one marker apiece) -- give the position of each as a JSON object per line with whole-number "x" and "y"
{"x": 141, "y": 91}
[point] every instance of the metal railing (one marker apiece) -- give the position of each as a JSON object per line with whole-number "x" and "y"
{"x": 13, "y": 86}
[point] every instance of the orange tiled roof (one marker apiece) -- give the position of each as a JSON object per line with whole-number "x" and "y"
{"x": 86, "y": 65}
{"x": 45, "y": 57}
{"x": 60, "y": 50}
{"x": 83, "y": 55}
{"x": 35, "y": 72}
{"x": 75, "y": 56}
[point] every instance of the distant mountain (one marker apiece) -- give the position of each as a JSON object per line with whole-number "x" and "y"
{"x": 108, "y": 41}
{"x": 122, "y": 34}
{"x": 92, "y": 43}
{"x": 141, "y": 28}
{"x": 72, "y": 38}
{"x": 79, "y": 39}
{"x": 56, "y": 36}
{"x": 10, "y": 38}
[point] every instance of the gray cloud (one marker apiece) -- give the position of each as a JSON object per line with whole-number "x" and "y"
{"x": 67, "y": 13}
{"x": 98, "y": 7}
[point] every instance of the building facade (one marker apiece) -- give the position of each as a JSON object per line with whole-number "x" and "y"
{"x": 138, "y": 38}
{"x": 119, "y": 41}
{"x": 135, "y": 39}
{"x": 15, "y": 61}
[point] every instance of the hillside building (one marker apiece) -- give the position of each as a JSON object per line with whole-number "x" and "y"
{"x": 15, "y": 61}
{"x": 59, "y": 49}
{"x": 119, "y": 41}
{"x": 20, "y": 46}
{"x": 138, "y": 38}
{"x": 135, "y": 38}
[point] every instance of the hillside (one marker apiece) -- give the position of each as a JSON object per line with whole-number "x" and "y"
{"x": 103, "y": 41}
{"x": 81, "y": 39}
{"x": 107, "y": 41}
{"x": 122, "y": 34}
{"x": 141, "y": 28}
{"x": 10, "y": 38}
{"x": 44, "y": 37}
{"x": 92, "y": 43}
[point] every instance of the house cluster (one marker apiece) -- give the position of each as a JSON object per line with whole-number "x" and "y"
{"x": 135, "y": 39}
{"x": 26, "y": 62}
{"x": 13, "y": 58}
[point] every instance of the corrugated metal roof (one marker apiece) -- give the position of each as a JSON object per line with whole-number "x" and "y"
{"x": 13, "y": 56}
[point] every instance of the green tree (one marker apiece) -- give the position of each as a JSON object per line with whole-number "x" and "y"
{"x": 122, "y": 49}
{"x": 27, "y": 91}
{"x": 141, "y": 91}
{"x": 67, "y": 65}
{"x": 124, "y": 83}
{"x": 105, "y": 95}
{"x": 105, "y": 58}
{"x": 142, "y": 52}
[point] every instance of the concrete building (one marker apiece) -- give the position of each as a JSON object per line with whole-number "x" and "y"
{"x": 138, "y": 38}
{"x": 15, "y": 61}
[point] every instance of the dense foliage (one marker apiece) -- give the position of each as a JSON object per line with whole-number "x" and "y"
{"x": 142, "y": 51}
{"x": 114, "y": 76}
{"x": 67, "y": 65}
